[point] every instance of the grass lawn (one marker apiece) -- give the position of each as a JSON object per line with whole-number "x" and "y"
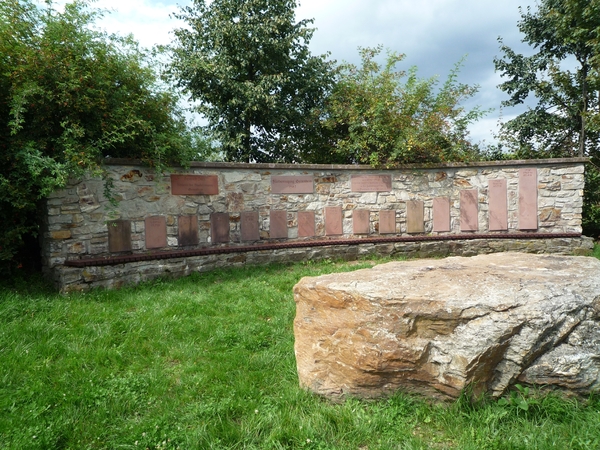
{"x": 207, "y": 362}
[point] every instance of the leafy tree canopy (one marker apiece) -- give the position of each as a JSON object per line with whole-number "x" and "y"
{"x": 566, "y": 118}
{"x": 248, "y": 65}
{"x": 69, "y": 96}
{"x": 564, "y": 121}
{"x": 381, "y": 116}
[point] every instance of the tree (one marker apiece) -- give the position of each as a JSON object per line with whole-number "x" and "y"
{"x": 560, "y": 31}
{"x": 382, "y": 116}
{"x": 565, "y": 121}
{"x": 248, "y": 65}
{"x": 69, "y": 96}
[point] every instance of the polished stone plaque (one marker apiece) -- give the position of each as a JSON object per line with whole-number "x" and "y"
{"x": 119, "y": 236}
{"x": 360, "y": 221}
{"x": 415, "y": 222}
{"x": 469, "y": 210}
{"x": 371, "y": 183}
{"x": 194, "y": 184}
{"x": 219, "y": 227}
{"x": 387, "y": 221}
{"x": 249, "y": 226}
{"x": 292, "y": 184}
{"x": 156, "y": 231}
{"x": 441, "y": 214}
{"x": 278, "y": 225}
{"x": 306, "y": 223}
{"x": 333, "y": 220}
{"x": 528, "y": 207}
{"x": 498, "y": 205}
{"x": 188, "y": 230}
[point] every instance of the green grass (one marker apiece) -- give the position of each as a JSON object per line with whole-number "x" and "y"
{"x": 207, "y": 362}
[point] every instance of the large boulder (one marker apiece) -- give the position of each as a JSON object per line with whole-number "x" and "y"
{"x": 436, "y": 327}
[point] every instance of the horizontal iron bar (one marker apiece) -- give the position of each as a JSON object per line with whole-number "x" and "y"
{"x": 122, "y": 259}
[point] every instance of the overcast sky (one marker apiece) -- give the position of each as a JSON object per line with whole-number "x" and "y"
{"x": 433, "y": 34}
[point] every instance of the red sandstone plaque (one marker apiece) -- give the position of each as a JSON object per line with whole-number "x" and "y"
{"x": 306, "y": 223}
{"x": 119, "y": 236}
{"x": 498, "y": 205}
{"x": 415, "y": 222}
{"x": 360, "y": 221}
{"x": 371, "y": 183}
{"x": 292, "y": 184}
{"x": 156, "y": 231}
{"x": 194, "y": 184}
{"x": 249, "y": 226}
{"x": 441, "y": 214}
{"x": 278, "y": 225}
{"x": 333, "y": 220}
{"x": 219, "y": 227}
{"x": 528, "y": 199}
{"x": 469, "y": 209}
{"x": 387, "y": 221}
{"x": 188, "y": 230}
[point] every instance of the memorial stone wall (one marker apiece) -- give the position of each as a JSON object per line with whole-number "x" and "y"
{"x": 218, "y": 214}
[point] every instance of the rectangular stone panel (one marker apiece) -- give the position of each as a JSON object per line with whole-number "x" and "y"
{"x": 360, "y": 221}
{"x": 415, "y": 222}
{"x": 156, "y": 231}
{"x": 387, "y": 221}
{"x": 278, "y": 225}
{"x": 194, "y": 184}
{"x": 119, "y": 236}
{"x": 498, "y": 205}
{"x": 306, "y": 223}
{"x": 441, "y": 214}
{"x": 292, "y": 184}
{"x": 219, "y": 227}
{"x": 371, "y": 183}
{"x": 528, "y": 206}
{"x": 249, "y": 226}
{"x": 188, "y": 230}
{"x": 333, "y": 221}
{"x": 469, "y": 210}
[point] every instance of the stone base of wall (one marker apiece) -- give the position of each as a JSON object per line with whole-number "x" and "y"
{"x": 69, "y": 279}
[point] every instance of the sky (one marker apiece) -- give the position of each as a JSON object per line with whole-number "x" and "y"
{"x": 433, "y": 34}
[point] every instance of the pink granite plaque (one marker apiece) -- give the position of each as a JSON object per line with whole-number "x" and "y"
{"x": 119, "y": 236}
{"x": 469, "y": 210}
{"x": 292, "y": 184}
{"x": 528, "y": 207}
{"x": 156, "y": 231}
{"x": 249, "y": 226}
{"x": 278, "y": 225}
{"x": 188, "y": 230}
{"x": 219, "y": 227}
{"x": 441, "y": 214}
{"x": 371, "y": 183}
{"x": 194, "y": 184}
{"x": 360, "y": 221}
{"x": 415, "y": 222}
{"x": 306, "y": 223}
{"x": 498, "y": 205}
{"x": 333, "y": 220}
{"x": 387, "y": 221}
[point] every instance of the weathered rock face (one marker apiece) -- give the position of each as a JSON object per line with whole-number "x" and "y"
{"x": 437, "y": 326}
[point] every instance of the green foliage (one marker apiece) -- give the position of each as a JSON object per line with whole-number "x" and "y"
{"x": 563, "y": 121}
{"x": 248, "y": 65}
{"x": 207, "y": 362}
{"x": 69, "y": 96}
{"x": 382, "y": 116}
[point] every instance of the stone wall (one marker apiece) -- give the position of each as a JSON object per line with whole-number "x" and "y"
{"x": 254, "y": 213}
